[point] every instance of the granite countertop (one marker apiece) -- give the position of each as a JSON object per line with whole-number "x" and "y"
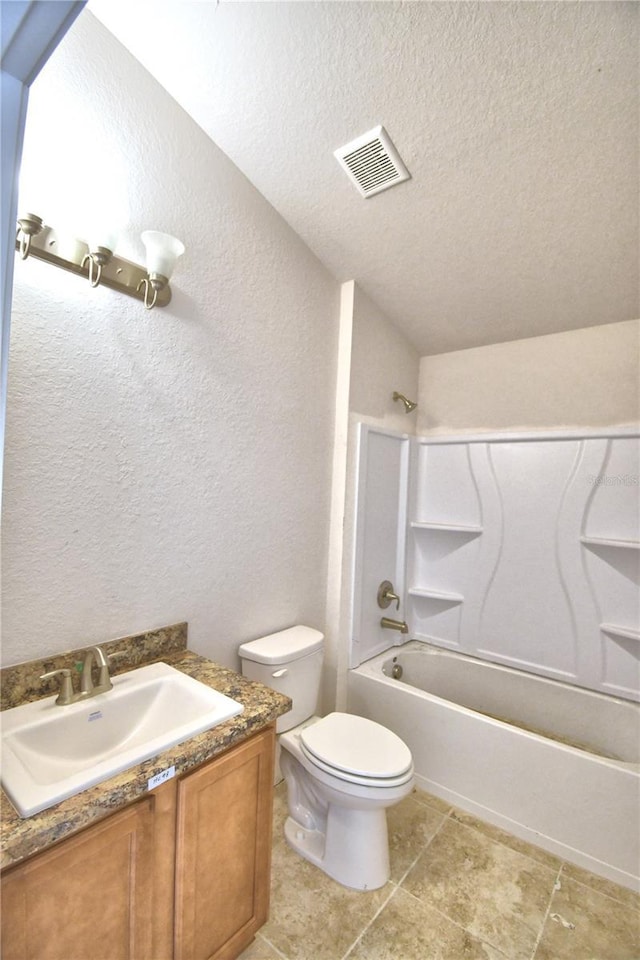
{"x": 23, "y": 837}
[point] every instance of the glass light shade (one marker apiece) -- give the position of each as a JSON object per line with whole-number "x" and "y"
{"x": 103, "y": 237}
{"x": 162, "y": 252}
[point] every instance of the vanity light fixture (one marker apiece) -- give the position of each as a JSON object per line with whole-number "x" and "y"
{"x": 97, "y": 257}
{"x": 97, "y": 261}
{"x": 29, "y": 226}
{"x": 409, "y": 405}
{"x": 101, "y": 247}
{"x": 163, "y": 251}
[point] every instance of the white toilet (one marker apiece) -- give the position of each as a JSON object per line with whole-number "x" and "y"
{"x": 342, "y": 771}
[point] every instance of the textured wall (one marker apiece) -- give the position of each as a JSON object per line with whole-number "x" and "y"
{"x": 582, "y": 378}
{"x": 174, "y": 464}
{"x": 382, "y": 360}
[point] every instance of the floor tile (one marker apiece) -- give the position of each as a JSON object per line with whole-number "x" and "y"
{"x": 260, "y": 950}
{"x": 280, "y": 811}
{"x": 280, "y": 795}
{"x": 474, "y": 892}
{"x": 312, "y": 917}
{"x": 408, "y": 929}
{"x": 610, "y": 889}
{"x": 421, "y": 796}
{"x": 501, "y": 836}
{"x": 497, "y": 894}
{"x": 584, "y": 924}
{"x": 411, "y": 826}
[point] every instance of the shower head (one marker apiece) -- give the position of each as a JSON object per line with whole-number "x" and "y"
{"x": 409, "y": 405}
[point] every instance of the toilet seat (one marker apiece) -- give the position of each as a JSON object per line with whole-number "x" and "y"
{"x": 357, "y": 750}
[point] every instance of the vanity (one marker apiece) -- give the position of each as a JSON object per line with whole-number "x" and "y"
{"x": 167, "y": 860}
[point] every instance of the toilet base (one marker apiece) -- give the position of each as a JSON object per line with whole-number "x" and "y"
{"x": 354, "y": 850}
{"x": 338, "y": 825}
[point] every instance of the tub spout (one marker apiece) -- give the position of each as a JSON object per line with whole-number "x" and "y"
{"x": 390, "y": 624}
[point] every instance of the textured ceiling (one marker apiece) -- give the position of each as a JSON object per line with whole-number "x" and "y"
{"x": 518, "y": 122}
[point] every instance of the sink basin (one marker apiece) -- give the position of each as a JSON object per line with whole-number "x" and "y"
{"x": 50, "y": 752}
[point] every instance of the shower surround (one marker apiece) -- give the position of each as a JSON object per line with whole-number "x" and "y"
{"x": 519, "y": 555}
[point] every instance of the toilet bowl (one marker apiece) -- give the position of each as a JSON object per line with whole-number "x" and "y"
{"x": 337, "y": 816}
{"x": 342, "y": 771}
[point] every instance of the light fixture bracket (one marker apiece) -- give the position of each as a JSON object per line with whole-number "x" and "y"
{"x": 158, "y": 281}
{"x": 30, "y": 226}
{"x": 100, "y": 255}
{"x": 68, "y": 253}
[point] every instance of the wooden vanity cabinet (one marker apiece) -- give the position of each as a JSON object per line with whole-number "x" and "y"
{"x": 223, "y": 852}
{"x": 91, "y": 895}
{"x": 181, "y": 873}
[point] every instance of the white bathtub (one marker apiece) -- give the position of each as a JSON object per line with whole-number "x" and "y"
{"x": 581, "y": 803}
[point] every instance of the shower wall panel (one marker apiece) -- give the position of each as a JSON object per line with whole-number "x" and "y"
{"x": 519, "y": 549}
{"x": 526, "y": 552}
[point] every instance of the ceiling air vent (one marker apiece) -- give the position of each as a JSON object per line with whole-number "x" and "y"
{"x": 372, "y": 162}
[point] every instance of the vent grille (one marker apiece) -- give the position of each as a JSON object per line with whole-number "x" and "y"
{"x": 372, "y": 163}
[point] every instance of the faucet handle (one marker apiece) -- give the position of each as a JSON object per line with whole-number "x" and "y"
{"x": 116, "y": 655}
{"x": 104, "y": 677}
{"x": 65, "y": 694}
{"x": 387, "y": 596}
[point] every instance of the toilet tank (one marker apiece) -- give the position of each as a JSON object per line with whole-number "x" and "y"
{"x": 290, "y": 662}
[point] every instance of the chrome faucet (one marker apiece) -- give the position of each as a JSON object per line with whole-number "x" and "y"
{"x": 390, "y": 624}
{"x": 67, "y": 695}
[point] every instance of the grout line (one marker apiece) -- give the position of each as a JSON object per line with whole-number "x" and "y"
{"x": 425, "y": 803}
{"x": 491, "y": 839}
{"x": 547, "y": 912}
{"x": 451, "y": 816}
{"x": 563, "y": 863}
{"x": 374, "y": 917}
{"x": 396, "y": 886}
{"x": 432, "y": 906}
{"x": 456, "y": 923}
{"x": 421, "y": 851}
{"x": 609, "y": 896}
{"x": 272, "y": 945}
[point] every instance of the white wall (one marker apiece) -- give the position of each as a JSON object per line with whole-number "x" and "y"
{"x": 380, "y": 360}
{"x": 29, "y": 32}
{"x": 581, "y": 378}
{"x": 172, "y": 464}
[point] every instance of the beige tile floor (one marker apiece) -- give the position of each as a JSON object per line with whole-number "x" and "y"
{"x": 460, "y": 889}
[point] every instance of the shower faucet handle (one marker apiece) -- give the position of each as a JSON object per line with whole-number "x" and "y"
{"x": 387, "y": 596}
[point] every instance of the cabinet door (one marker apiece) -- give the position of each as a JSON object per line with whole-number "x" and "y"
{"x": 223, "y": 856}
{"x": 89, "y": 897}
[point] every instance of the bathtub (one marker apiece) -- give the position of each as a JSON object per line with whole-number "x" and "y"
{"x": 553, "y": 764}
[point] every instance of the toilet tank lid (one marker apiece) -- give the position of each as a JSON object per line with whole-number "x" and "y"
{"x": 283, "y": 646}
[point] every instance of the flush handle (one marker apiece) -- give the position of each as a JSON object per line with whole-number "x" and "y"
{"x": 280, "y": 673}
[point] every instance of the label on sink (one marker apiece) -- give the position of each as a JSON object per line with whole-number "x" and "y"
{"x": 161, "y": 778}
{"x": 96, "y": 715}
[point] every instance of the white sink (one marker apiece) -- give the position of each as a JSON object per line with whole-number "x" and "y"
{"x": 50, "y": 752}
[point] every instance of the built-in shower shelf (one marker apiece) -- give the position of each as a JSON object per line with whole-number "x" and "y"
{"x": 426, "y": 594}
{"x": 611, "y": 542}
{"x": 446, "y": 527}
{"x": 628, "y": 633}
